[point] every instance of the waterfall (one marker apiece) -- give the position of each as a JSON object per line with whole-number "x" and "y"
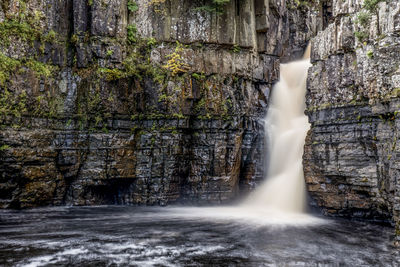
{"x": 280, "y": 200}
{"x": 286, "y": 128}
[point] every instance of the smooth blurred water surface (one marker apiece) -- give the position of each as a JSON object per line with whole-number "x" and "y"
{"x": 121, "y": 236}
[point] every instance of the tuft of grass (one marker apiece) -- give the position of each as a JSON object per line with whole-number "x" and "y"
{"x": 131, "y": 34}
{"x": 361, "y": 36}
{"x": 363, "y": 18}
{"x": 236, "y": 49}
{"x": 132, "y": 6}
{"x": 151, "y": 42}
{"x": 198, "y": 76}
{"x": 4, "y": 147}
{"x": 110, "y": 53}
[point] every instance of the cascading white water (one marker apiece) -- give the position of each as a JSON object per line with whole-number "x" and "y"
{"x": 286, "y": 128}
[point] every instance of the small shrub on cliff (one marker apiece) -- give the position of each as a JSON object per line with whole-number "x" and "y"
{"x": 371, "y": 5}
{"x": 151, "y": 42}
{"x": 175, "y": 62}
{"x": 132, "y": 6}
{"x": 363, "y": 19}
{"x": 4, "y": 147}
{"x": 131, "y": 34}
{"x": 74, "y": 39}
{"x": 236, "y": 49}
{"x": 361, "y": 36}
{"x": 110, "y": 53}
{"x": 199, "y": 76}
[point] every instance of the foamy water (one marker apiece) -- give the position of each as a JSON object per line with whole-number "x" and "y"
{"x": 286, "y": 128}
{"x": 179, "y": 236}
{"x": 250, "y": 215}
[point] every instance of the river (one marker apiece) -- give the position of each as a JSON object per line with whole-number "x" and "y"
{"x": 179, "y": 236}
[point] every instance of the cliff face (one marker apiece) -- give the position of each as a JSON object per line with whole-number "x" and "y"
{"x": 352, "y": 157}
{"x": 137, "y": 102}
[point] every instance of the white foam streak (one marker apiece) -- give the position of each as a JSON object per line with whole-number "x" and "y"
{"x": 257, "y": 216}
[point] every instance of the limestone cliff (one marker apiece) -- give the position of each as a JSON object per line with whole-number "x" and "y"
{"x": 352, "y": 152}
{"x": 138, "y": 102}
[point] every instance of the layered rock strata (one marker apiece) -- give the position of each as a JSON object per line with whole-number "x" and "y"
{"x": 352, "y": 152}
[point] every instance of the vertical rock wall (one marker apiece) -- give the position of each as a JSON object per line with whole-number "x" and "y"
{"x": 351, "y": 158}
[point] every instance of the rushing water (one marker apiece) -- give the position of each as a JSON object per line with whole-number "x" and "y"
{"x": 103, "y": 236}
{"x": 287, "y": 126}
